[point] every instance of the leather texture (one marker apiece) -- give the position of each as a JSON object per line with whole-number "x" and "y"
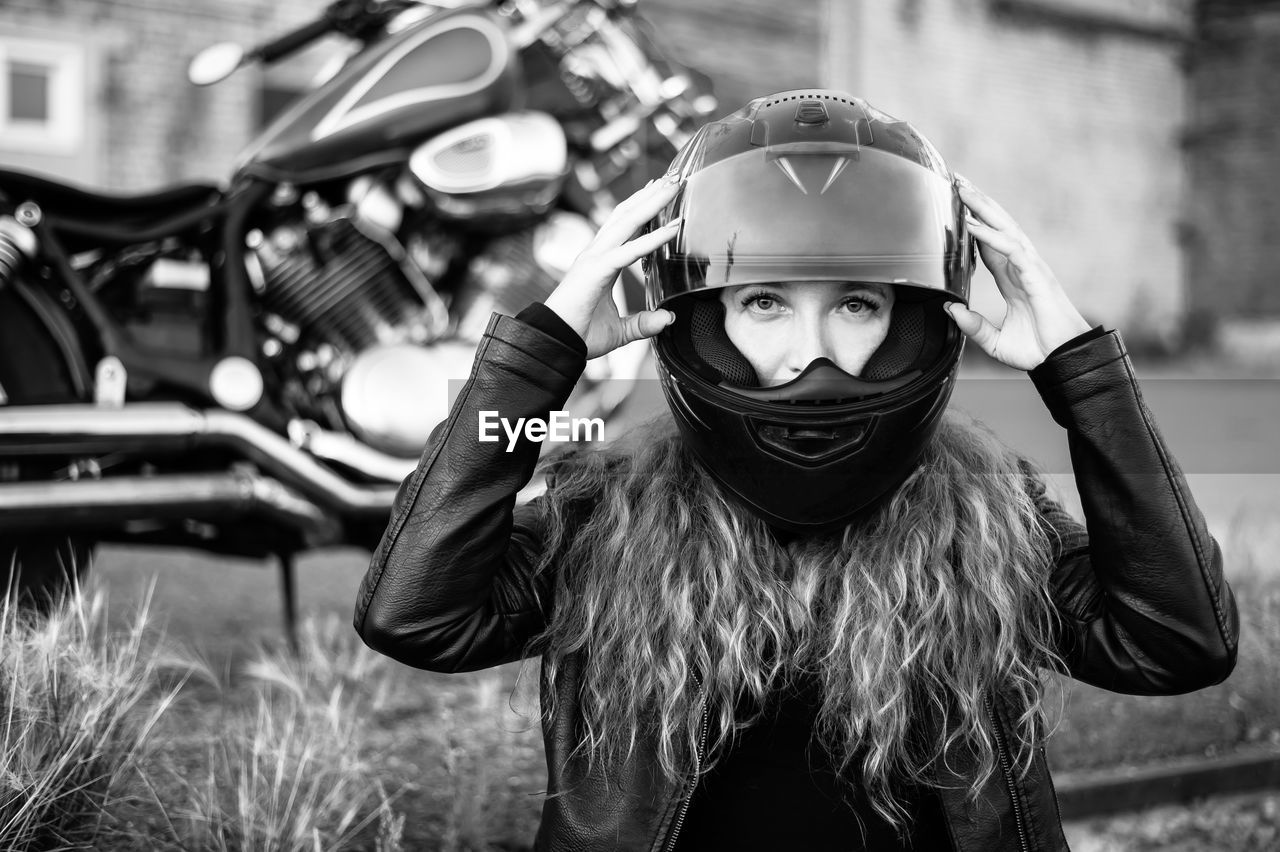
{"x": 1145, "y": 608}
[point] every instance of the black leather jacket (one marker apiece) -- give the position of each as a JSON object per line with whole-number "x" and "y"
{"x": 1142, "y": 595}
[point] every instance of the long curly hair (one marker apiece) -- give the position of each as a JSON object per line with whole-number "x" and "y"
{"x": 671, "y": 591}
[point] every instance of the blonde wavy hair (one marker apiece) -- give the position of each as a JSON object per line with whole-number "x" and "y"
{"x": 921, "y": 608}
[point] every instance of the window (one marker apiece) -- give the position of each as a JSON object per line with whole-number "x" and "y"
{"x": 42, "y": 96}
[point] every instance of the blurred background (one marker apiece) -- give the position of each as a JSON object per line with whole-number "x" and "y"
{"x": 1135, "y": 141}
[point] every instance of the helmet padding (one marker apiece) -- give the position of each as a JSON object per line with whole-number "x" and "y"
{"x": 712, "y": 344}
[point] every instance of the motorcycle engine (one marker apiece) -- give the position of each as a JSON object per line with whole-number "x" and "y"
{"x": 354, "y": 309}
{"x": 344, "y": 282}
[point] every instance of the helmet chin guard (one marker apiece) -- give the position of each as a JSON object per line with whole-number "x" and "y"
{"x": 823, "y": 381}
{"x": 810, "y": 185}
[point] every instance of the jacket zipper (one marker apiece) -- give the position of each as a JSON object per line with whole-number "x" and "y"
{"x": 1052, "y": 789}
{"x": 702, "y": 740}
{"x": 1008, "y": 777}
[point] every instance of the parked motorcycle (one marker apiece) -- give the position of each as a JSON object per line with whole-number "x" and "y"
{"x": 252, "y": 369}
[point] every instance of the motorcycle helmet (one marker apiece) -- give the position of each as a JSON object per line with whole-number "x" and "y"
{"x": 810, "y": 185}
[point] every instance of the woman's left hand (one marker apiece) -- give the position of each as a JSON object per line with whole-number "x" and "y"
{"x": 1039, "y": 316}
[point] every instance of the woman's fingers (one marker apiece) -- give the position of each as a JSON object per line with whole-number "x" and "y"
{"x": 644, "y": 324}
{"x": 1017, "y": 269}
{"x": 633, "y": 213}
{"x": 632, "y": 250}
{"x": 1013, "y": 253}
{"x": 975, "y": 326}
{"x": 612, "y": 248}
{"x": 994, "y": 239}
{"x": 603, "y": 267}
{"x": 1040, "y": 316}
{"x": 582, "y": 297}
{"x": 986, "y": 208}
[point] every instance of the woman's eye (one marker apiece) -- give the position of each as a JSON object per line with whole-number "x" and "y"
{"x": 762, "y": 302}
{"x": 858, "y": 306}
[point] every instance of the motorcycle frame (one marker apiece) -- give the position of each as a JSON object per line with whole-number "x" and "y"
{"x": 85, "y": 332}
{"x": 229, "y": 284}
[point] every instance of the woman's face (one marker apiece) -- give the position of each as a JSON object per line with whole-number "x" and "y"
{"x": 781, "y": 328}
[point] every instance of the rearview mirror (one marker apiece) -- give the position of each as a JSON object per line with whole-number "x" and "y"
{"x": 216, "y": 62}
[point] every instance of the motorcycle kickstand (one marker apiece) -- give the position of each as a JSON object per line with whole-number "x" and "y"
{"x": 288, "y": 565}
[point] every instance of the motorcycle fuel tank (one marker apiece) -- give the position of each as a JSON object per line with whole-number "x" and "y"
{"x": 449, "y": 68}
{"x": 506, "y": 165}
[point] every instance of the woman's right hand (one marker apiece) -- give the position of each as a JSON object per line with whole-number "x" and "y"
{"x": 584, "y": 299}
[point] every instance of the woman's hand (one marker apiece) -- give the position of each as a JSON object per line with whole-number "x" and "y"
{"x": 1040, "y": 317}
{"x": 584, "y": 298}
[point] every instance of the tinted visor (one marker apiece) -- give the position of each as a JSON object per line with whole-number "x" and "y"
{"x": 812, "y": 211}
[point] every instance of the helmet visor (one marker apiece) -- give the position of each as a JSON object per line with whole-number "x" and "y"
{"x": 813, "y": 211}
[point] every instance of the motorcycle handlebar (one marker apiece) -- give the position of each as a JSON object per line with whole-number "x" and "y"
{"x": 289, "y": 42}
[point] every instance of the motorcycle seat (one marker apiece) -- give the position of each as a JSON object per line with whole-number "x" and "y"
{"x": 74, "y": 203}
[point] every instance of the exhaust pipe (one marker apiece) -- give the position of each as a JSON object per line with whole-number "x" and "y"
{"x": 168, "y": 427}
{"x": 31, "y": 506}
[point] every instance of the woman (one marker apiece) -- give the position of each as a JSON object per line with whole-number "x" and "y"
{"x": 806, "y": 610}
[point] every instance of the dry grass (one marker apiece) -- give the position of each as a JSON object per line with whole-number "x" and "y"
{"x": 289, "y": 769}
{"x": 111, "y": 743}
{"x": 1254, "y": 688}
{"x": 286, "y": 777}
{"x": 1243, "y": 823}
{"x": 87, "y": 759}
{"x": 80, "y": 705}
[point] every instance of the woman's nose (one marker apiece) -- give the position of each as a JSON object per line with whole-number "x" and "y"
{"x": 808, "y": 343}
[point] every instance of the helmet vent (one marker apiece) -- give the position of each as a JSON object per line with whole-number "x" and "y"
{"x": 810, "y": 96}
{"x": 812, "y": 113}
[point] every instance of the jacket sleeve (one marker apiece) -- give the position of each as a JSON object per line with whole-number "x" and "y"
{"x": 451, "y": 585}
{"x": 1140, "y": 588}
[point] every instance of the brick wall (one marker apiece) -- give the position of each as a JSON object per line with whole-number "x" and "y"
{"x": 1232, "y": 149}
{"x": 152, "y": 126}
{"x": 1069, "y": 113}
